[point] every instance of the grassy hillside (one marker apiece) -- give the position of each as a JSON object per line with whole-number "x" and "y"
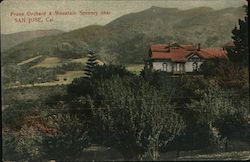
{"x": 11, "y": 40}
{"x": 49, "y": 62}
{"x": 135, "y": 68}
{"x": 44, "y": 71}
{"x": 126, "y": 39}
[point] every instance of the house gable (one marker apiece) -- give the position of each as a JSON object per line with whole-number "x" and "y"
{"x": 194, "y": 58}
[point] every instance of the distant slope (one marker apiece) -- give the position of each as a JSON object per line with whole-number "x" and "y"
{"x": 11, "y": 40}
{"x": 126, "y": 39}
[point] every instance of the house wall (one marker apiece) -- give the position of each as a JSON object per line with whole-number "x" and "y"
{"x": 158, "y": 66}
{"x": 178, "y": 67}
{"x": 189, "y": 66}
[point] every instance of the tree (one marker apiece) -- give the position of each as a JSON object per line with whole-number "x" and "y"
{"x": 91, "y": 63}
{"x": 68, "y": 140}
{"x": 23, "y": 145}
{"x": 163, "y": 82}
{"x": 217, "y": 109}
{"x": 226, "y": 73}
{"x": 82, "y": 87}
{"x": 133, "y": 117}
{"x": 209, "y": 108}
{"x": 108, "y": 71}
{"x": 240, "y": 53}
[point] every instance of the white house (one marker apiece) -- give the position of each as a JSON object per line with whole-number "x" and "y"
{"x": 180, "y": 59}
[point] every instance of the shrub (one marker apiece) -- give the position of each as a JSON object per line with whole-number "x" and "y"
{"x": 25, "y": 144}
{"x": 133, "y": 116}
{"x": 227, "y": 74}
{"x": 68, "y": 140}
{"x": 216, "y": 108}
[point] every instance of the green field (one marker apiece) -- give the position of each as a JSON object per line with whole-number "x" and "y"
{"x": 52, "y": 62}
{"x": 68, "y": 76}
{"x": 134, "y": 68}
{"x": 49, "y": 62}
{"x": 62, "y": 79}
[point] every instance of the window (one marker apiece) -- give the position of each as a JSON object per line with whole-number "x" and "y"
{"x": 194, "y": 58}
{"x": 148, "y": 65}
{"x": 177, "y": 67}
{"x": 182, "y": 67}
{"x": 195, "y": 66}
{"x": 164, "y": 66}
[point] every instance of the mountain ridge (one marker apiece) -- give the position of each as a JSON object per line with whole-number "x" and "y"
{"x": 126, "y": 38}
{"x": 12, "y": 39}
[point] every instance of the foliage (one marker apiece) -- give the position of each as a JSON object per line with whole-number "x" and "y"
{"x": 91, "y": 63}
{"x": 107, "y": 71}
{"x": 68, "y": 50}
{"x": 8, "y": 147}
{"x": 214, "y": 102}
{"x": 138, "y": 115}
{"x": 163, "y": 82}
{"x": 26, "y": 75}
{"x": 233, "y": 126}
{"x": 23, "y": 145}
{"x": 29, "y": 142}
{"x": 133, "y": 116}
{"x": 84, "y": 87}
{"x": 17, "y": 115}
{"x": 240, "y": 52}
{"x": 216, "y": 108}
{"x": 182, "y": 89}
{"x": 30, "y": 136}
{"x": 68, "y": 140}
{"x": 226, "y": 73}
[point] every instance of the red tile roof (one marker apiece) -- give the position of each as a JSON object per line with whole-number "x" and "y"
{"x": 180, "y": 53}
{"x": 159, "y": 48}
{"x": 212, "y": 53}
{"x": 188, "y": 47}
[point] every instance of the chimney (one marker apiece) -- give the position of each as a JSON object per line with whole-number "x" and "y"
{"x": 199, "y": 47}
{"x": 169, "y": 47}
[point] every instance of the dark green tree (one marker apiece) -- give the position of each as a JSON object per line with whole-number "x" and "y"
{"x": 82, "y": 87}
{"x": 69, "y": 139}
{"x": 240, "y": 52}
{"x": 226, "y": 73}
{"x": 23, "y": 145}
{"x": 134, "y": 116}
{"x": 218, "y": 110}
{"x": 91, "y": 63}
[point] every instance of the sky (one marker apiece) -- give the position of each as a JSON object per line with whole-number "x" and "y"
{"x": 27, "y": 15}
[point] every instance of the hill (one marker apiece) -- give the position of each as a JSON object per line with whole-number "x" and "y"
{"x": 126, "y": 39}
{"x": 11, "y": 40}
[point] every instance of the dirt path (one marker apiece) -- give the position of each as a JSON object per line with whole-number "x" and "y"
{"x": 39, "y": 84}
